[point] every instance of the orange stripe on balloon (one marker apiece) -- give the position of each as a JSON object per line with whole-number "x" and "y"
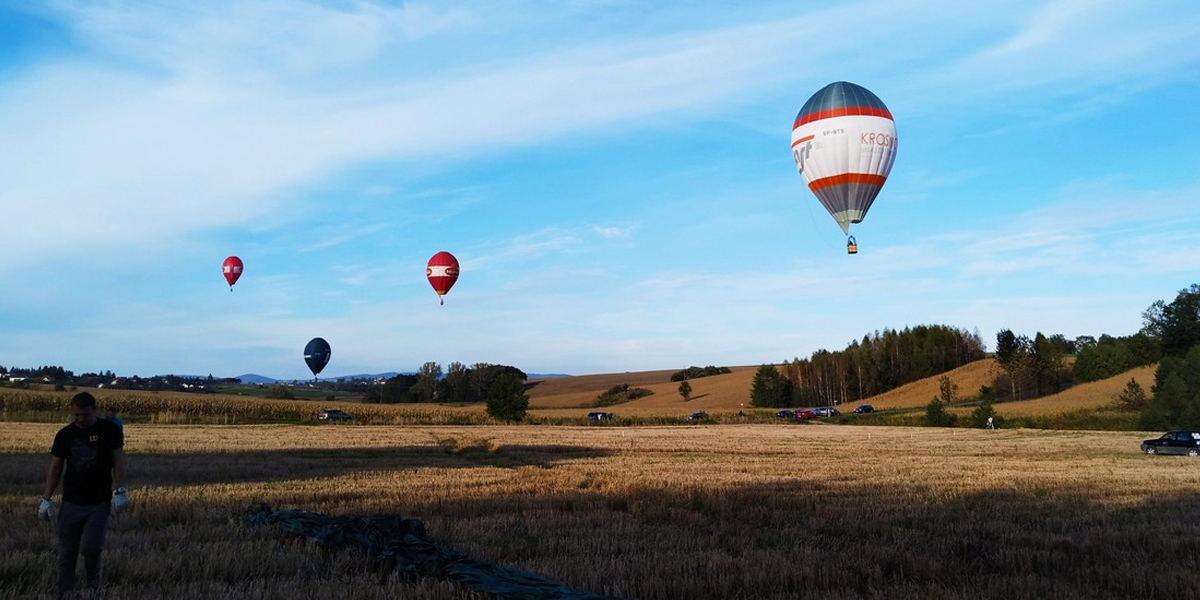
{"x": 802, "y": 140}
{"x": 842, "y": 112}
{"x": 824, "y": 182}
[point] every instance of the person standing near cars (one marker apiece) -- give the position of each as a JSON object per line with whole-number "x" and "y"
{"x": 89, "y": 456}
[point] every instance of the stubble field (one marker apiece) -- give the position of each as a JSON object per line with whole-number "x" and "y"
{"x": 723, "y": 511}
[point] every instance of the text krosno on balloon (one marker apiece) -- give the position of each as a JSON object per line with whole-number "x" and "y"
{"x": 878, "y": 139}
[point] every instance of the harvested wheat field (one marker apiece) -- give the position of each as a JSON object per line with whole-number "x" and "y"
{"x": 725, "y": 511}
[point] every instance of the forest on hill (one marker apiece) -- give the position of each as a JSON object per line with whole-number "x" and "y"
{"x": 1029, "y": 367}
{"x": 878, "y": 363}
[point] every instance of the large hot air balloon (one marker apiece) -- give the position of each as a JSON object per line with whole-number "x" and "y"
{"x": 844, "y": 144}
{"x": 316, "y": 354}
{"x": 232, "y": 268}
{"x": 442, "y": 272}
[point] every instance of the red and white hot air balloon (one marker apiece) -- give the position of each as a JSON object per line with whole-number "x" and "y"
{"x": 844, "y": 144}
{"x": 442, "y": 272}
{"x": 232, "y": 269}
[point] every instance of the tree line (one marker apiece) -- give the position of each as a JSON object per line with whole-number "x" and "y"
{"x": 873, "y": 365}
{"x": 1036, "y": 367}
{"x": 457, "y": 384}
{"x": 61, "y": 378}
{"x": 501, "y": 386}
{"x": 1170, "y": 336}
{"x": 694, "y": 372}
{"x": 1175, "y": 327}
{"x": 1031, "y": 367}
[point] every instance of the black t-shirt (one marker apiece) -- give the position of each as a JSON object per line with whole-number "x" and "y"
{"x": 87, "y": 454}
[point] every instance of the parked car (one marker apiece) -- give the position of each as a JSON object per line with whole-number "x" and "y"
{"x": 601, "y": 416}
{"x": 787, "y": 413}
{"x": 864, "y": 408}
{"x": 334, "y": 414}
{"x": 697, "y": 416}
{"x": 826, "y": 411}
{"x": 1174, "y": 442}
{"x": 806, "y": 413}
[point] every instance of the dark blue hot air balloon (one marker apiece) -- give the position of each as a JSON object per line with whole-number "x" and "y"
{"x": 316, "y": 354}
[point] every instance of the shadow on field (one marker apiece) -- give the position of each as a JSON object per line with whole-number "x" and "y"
{"x": 800, "y": 536}
{"x": 814, "y": 539}
{"x": 27, "y": 471}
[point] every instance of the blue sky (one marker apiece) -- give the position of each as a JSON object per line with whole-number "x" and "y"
{"x": 614, "y": 177}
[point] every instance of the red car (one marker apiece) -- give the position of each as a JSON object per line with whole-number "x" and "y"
{"x": 806, "y": 414}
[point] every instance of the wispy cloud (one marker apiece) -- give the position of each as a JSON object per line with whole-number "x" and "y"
{"x": 614, "y": 232}
{"x": 182, "y": 138}
{"x": 1074, "y": 49}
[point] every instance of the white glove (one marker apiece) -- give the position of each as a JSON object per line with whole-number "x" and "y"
{"x": 120, "y": 500}
{"x": 45, "y": 510}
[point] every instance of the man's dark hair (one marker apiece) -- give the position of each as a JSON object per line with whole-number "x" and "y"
{"x": 83, "y": 400}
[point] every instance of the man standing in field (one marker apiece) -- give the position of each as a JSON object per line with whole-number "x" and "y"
{"x": 91, "y": 451}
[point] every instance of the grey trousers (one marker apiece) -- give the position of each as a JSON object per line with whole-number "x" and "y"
{"x": 81, "y": 529}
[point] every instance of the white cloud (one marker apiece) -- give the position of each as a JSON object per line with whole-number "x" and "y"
{"x": 614, "y": 232}
{"x": 122, "y": 155}
{"x": 1071, "y": 49}
{"x": 225, "y": 122}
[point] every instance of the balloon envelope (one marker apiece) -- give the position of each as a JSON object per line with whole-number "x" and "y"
{"x": 844, "y": 144}
{"x": 232, "y": 269}
{"x": 442, "y": 272}
{"x": 316, "y": 355}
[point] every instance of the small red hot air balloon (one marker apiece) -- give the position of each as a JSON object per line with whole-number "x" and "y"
{"x": 232, "y": 268}
{"x": 442, "y": 272}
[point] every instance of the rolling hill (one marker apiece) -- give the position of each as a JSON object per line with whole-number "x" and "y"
{"x": 730, "y": 392}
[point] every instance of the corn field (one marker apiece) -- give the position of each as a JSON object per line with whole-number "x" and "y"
{"x": 185, "y": 408}
{"x": 180, "y": 407}
{"x": 716, "y": 511}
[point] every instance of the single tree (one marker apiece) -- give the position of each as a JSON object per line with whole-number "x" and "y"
{"x": 770, "y": 389}
{"x": 1012, "y": 352}
{"x": 1045, "y": 360}
{"x": 1133, "y": 397}
{"x": 948, "y": 390}
{"x": 936, "y": 414}
{"x": 428, "y": 377}
{"x": 506, "y": 399}
{"x": 987, "y": 393}
{"x": 1176, "y": 401}
{"x": 685, "y": 390}
{"x": 457, "y": 383}
{"x": 1176, "y": 326}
